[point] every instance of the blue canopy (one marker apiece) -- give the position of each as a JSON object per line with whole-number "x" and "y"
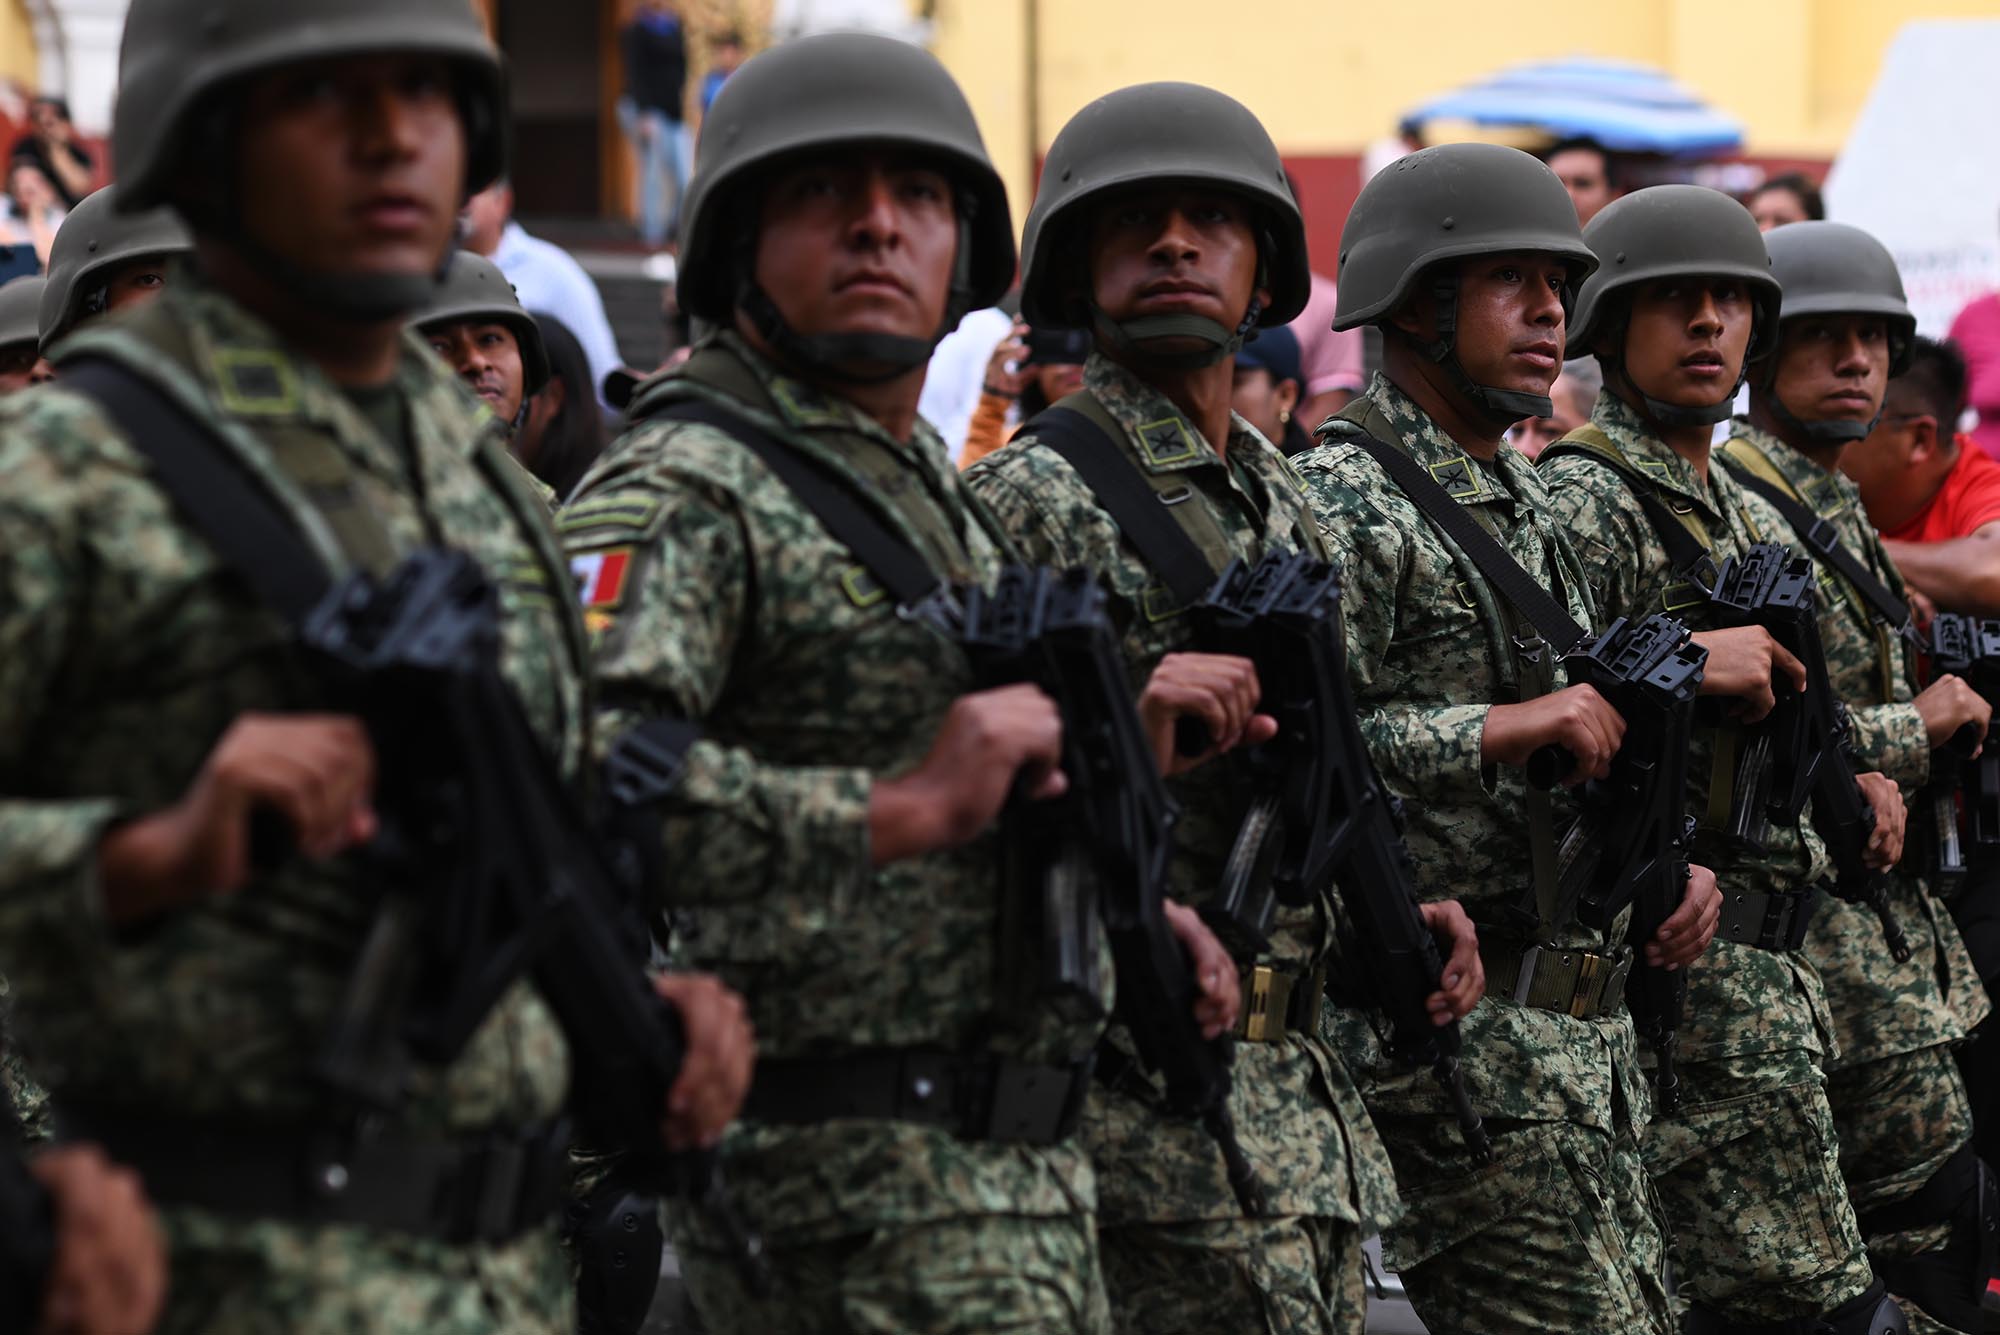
{"x": 1625, "y": 107}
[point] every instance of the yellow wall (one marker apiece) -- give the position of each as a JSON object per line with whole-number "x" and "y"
{"x": 17, "y": 45}
{"x": 1330, "y": 76}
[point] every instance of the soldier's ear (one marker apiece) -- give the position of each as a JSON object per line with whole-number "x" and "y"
{"x": 1417, "y": 316}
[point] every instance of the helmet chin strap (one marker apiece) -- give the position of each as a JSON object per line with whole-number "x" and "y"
{"x": 1136, "y": 342}
{"x": 1674, "y": 416}
{"x": 1820, "y": 432}
{"x": 1500, "y": 407}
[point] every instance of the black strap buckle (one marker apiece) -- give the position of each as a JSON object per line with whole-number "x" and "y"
{"x": 647, "y": 762}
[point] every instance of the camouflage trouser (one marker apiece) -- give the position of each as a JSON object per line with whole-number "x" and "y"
{"x": 1749, "y": 1177}
{"x": 1296, "y": 1275}
{"x": 1560, "y": 1233}
{"x": 1899, "y": 1119}
{"x": 232, "y": 1278}
{"x": 1009, "y": 1274}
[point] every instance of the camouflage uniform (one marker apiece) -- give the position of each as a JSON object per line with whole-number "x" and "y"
{"x": 1899, "y": 1102}
{"x": 733, "y": 606}
{"x": 129, "y": 649}
{"x": 1178, "y": 1255}
{"x": 1560, "y": 1233}
{"x": 1749, "y": 1171}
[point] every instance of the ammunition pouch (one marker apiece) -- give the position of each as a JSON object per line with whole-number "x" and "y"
{"x": 1278, "y": 1003}
{"x": 1766, "y": 921}
{"x": 1583, "y": 984}
{"x": 486, "y": 1188}
{"x": 976, "y": 1097}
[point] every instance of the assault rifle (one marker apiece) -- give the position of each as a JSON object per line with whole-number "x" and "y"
{"x": 1629, "y": 845}
{"x": 1115, "y": 820}
{"x": 491, "y": 871}
{"x": 1767, "y": 586}
{"x": 1968, "y": 647}
{"x": 1319, "y": 813}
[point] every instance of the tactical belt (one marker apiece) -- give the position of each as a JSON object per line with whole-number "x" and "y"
{"x": 1766, "y": 921}
{"x": 1280, "y": 1002}
{"x": 1583, "y": 984}
{"x": 486, "y": 1188}
{"x": 980, "y": 1097}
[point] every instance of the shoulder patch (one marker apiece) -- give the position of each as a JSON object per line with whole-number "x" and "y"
{"x": 1167, "y": 441}
{"x": 609, "y": 519}
{"x": 1455, "y": 476}
{"x": 601, "y": 577}
{"x": 256, "y": 381}
{"x": 862, "y": 588}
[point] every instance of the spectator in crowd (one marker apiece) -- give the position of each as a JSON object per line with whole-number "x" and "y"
{"x": 1331, "y": 362}
{"x": 50, "y": 143}
{"x": 1021, "y": 380}
{"x": 546, "y": 276}
{"x": 654, "y": 45}
{"x": 475, "y": 324}
{"x": 31, "y": 211}
{"x": 1573, "y": 395}
{"x": 1785, "y": 199}
{"x": 726, "y": 55}
{"x": 564, "y": 430}
{"x": 957, "y": 374}
{"x": 1585, "y": 171}
{"x": 21, "y": 363}
{"x": 1932, "y": 495}
{"x": 1976, "y": 332}
{"x": 1268, "y": 387}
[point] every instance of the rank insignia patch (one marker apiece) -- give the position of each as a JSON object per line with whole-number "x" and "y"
{"x": 600, "y": 576}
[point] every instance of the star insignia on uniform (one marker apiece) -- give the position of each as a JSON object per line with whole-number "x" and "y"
{"x": 1167, "y": 441}
{"x": 1455, "y": 476}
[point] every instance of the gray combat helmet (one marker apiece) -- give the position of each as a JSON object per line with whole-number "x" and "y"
{"x": 475, "y": 289}
{"x": 1160, "y": 134}
{"x": 1830, "y": 268}
{"x": 1420, "y": 215}
{"x": 808, "y": 98}
{"x": 97, "y": 237}
{"x": 180, "y": 58}
{"x": 21, "y": 311}
{"x": 1673, "y": 231}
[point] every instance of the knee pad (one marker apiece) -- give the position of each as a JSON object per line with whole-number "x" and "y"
{"x": 1949, "y": 1282}
{"x": 1873, "y": 1313}
{"x": 618, "y": 1244}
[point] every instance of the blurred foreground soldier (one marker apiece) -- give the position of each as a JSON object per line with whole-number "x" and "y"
{"x": 1747, "y": 1171}
{"x": 182, "y": 975}
{"x": 21, "y": 360}
{"x": 107, "y": 258}
{"x": 907, "y": 1151}
{"x": 1899, "y": 1104}
{"x": 1164, "y": 225}
{"x": 1467, "y": 257}
{"x": 476, "y": 324}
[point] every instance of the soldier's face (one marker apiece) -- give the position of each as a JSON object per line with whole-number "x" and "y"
{"x": 1687, "y": 337}
{"x": 1510, "y": 320}
{"x": 135, "y": 282}
{"x": 1174, "y": 251}
{"x": 354, "y": 165}
{"x": 862, "y": 244}
{"x": 1833, "y": 368}
{"x": 487, "y": 357}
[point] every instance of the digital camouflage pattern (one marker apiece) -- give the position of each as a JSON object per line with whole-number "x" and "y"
{"x": 1754, "y": 1127}
{"x": 1288, "y": 1273}
{"x": 128, "y": 650}
{"x": 1297, "y": 1111}
{"x": 1899, "y": 1103}
{"x": 1563, "y": 1096}
{"x": 24, "y": 1094}
{"x": 730, "y": 604}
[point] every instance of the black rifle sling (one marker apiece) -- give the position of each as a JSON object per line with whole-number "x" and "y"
{"x": 1818, "y": 535}
{"x": 1549, "y": 618}
{"x": 1100, "y": 462}
{"x": 238, "y": 515}
{"x": 896, "y": 564}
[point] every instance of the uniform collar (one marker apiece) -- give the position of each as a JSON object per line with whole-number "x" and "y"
{"x": 1633, "y": 436}
{"x": 1163, "y": 439}
{"x": 1829, "y": 492}
{"x": 1413, "y": 430}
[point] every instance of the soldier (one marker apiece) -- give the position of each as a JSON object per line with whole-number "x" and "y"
{"x": 107, "y": 258}
{"x": 1748, "y": 1172}
{"x": 907, "y": 1151}
{"x": 1467, "y": 257}
{"x": 21, "y": 360}
{"x": 1164, "y": 225}
{"x": 477, "y": 325}
{"x": 1899, "y": 1102}
{"x": 152, "y": 707}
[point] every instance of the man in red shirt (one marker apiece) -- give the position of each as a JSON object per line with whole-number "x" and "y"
{"x": 1933, "y": 494}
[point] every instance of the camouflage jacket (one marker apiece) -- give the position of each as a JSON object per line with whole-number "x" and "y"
{"x": 713, "y": 593}
{"x": 1880, "y": 1007}
{"x": 1742, "y": 1001}
{"x": 128, "y": 650}
{"x": 1423, "y": 643}
{"x": 1295, "y": 1107}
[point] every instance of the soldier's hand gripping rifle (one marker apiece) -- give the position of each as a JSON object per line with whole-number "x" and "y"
{"x": 491, "y": 871}
{"x": 1967, "y": 647}
{"x": 1319, "y": 812}
{"x": 1629, "y": 844}
{"x": 1052, "y": 629}
{"x": 1767, "y": 586}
